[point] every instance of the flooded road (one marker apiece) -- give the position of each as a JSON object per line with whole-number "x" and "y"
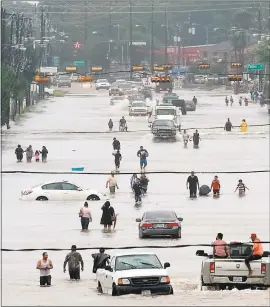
{"x": 56, "y": 224}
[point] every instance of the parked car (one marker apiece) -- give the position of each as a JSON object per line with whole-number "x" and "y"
{"x": 60, "y": 190}
{"x": 190, "y": 106}
{"x": 160, "y": 223}
{"x": 63, "y": 81}
{"x": 136, "y": 273}
{"x": 102, "y": 84}
{"x": 138, "y": 108}
{"x": 222, "y": 273}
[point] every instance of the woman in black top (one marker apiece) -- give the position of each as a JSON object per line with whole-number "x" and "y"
{"x": 107, "y": 217}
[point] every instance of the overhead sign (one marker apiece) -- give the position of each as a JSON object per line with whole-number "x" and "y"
{"x": 236, "y": 65}
{"x": 138, "y": 68}
{"x": 235, "y": 77}
{"x": 51, "y": 70}
{"x": 71, "y": 68}
{"x": 138, "y": 43}
{"x": 158, "y": 68}
{"x": 79, "y": 63}
{"x": 255, "y": 67}
{"x": 97, "y": 68}
{"x": 41, "y": 79}
{"x": 204, "y": 66}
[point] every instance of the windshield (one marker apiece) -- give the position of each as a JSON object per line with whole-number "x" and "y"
{"x": 168, "y": 123}
{"x": 125, "y": 85}
{"x": 165, "y": 112}
{"x": 102, "y": 80}
{"x": 131, "y": 262}
{"x": 63, "y": 77}
{"x": 162, "y": 215}
{"x": 139, "y": 105}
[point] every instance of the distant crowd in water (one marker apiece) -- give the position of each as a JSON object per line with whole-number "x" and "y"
{"x": 30, "y": 154}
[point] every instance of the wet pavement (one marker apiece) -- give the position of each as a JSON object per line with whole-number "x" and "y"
{"x": 56, "y": 224}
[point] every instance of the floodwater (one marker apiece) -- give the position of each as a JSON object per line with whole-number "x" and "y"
{"x": 56, "y": 224}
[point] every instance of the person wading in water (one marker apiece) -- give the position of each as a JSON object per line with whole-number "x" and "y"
{"x": 44, "y": 265}
{"x": 74, "y": 259}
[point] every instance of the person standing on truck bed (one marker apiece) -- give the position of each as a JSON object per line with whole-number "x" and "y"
{"x": 257, "y": 251}
{"x": 220, "y": 249}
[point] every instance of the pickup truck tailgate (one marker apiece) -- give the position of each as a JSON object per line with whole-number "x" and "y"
{"x": 236, "y": 267}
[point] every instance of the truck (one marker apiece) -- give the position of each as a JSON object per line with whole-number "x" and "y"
{"x": 134, "y": 273}
{"x": 232, "y": 272}
{"x": 168, "y": 112}
{"x": 164, "y": 129}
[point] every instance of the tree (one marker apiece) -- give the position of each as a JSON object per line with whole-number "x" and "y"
{"x": 243, "y": 19}
{"x": 263, "y": 52}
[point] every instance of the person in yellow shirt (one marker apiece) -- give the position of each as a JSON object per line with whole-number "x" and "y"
{"x": 243, "y": 126}
{"x": 257, "y": 251}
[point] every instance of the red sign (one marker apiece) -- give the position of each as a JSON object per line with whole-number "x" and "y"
{"x": 77, "y": 45}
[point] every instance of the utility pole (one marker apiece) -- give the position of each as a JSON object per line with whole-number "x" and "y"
{"x": 260, "y": 38}
{"x": 110, "y": 38}
{"x": 166, "y": 34}
{"x": 130, "y": 39}
{"x": 178, "y": 44}
{"x": 152, "y": 37}
{"x": 42, "y": 35}
{"x": 85, "y": 35}
{"x": 3, "y": 31}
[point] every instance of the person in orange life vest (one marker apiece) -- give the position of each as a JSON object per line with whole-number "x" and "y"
{"x": 215, "y": 186}
{"x": 257, "y": 251}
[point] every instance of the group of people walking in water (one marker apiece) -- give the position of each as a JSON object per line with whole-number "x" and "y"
{"x": 108, "y": 217}
{"x": 75, "y": 264}
{"x": 30, "y": 154}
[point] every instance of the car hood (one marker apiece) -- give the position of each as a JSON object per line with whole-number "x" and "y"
{"x": 142, "y": 273}
{"x": 163, "y": 127}
{"x": 139, "y": 108}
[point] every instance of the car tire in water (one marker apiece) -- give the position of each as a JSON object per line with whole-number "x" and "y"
{"x": 93, "y": 197}
{"x": 42, "y": 198}
{"x": 141, "y": 235}
{"x": 99, "y": 288}
{"x": 115, "y": 291}
{"x": 178, "y": 234}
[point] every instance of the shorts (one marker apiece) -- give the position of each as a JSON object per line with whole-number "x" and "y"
{"x": 112, "y": 189}
{"x": 216, "y": 192}
{"x": 45, "y": 280}
{"x": 143, "y": 163}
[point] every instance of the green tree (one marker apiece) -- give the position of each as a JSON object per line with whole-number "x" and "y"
{"x": 263, "y": 52}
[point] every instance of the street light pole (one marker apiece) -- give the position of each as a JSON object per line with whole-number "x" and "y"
{"x": 130, "y": 39}
{"x": 166, "y": 35}
{"x": 152, "y": 37}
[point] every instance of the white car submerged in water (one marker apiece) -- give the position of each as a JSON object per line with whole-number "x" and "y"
{"x": 60, "y": 190}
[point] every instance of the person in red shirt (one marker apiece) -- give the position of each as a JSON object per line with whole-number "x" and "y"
{"x": 215, "y": 186}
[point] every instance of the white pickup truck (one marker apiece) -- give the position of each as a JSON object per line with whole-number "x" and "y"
{"x": 138, "y": 273}
{"x": 232, "y": 272}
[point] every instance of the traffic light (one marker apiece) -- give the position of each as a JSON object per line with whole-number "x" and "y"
{"x": 86, "y": 78}
{"x": 158, "y": 68}
{"x": 96, "y": 68}
{"x": 167, "y": 66}
{"x": 138, "y": 68}
{"x": 236, "y": 65}
{"x": 160, "y": 79}
{"x": 235, "y": 77}
{"x": 204, "y": 66}
{"x": 71, "y": 68}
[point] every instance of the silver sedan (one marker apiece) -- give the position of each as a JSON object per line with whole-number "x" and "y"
{"x": 160, "y": 223}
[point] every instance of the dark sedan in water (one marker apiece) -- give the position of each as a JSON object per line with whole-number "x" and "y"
{"x": 160, "y": 223}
